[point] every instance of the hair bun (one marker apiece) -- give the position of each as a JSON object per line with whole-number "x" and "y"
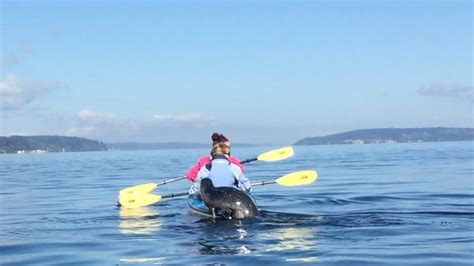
{"x": 215, "y": 137}
{"x": 222, "y": 138}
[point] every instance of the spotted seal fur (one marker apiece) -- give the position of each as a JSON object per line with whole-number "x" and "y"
{"x": 232, "y": 202}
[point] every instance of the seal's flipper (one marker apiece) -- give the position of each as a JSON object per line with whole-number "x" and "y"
{"x": 226, "y": 213}
{"x": 213, "y": 213}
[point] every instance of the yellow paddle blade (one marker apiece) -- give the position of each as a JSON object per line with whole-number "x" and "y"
{"x": 138, "y": 200}
{"x": 276, "y": 155}
{"x": 298, "y": 178}
{"x": 139, "y": 189}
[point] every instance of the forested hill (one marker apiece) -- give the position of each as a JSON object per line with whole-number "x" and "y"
{"x": 393, "y": 135}
{"x": 40, "y": 144}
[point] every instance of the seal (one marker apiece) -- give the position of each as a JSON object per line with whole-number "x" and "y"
{"x": 232, "y": 202}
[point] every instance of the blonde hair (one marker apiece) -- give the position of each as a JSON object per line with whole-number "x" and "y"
{"x": 220, "y": 148}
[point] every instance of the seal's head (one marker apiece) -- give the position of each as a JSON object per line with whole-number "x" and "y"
{"x": 206, "y": 186}
{"x": 229, "y": 199}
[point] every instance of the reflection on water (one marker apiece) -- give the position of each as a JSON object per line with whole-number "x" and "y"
{"x": 291, "y": 238}
{"x": 280, "y": 233}
{"x": 307, "y": 259}
{"x": 292, "y": 241}
{"x": 144, "y": 220}
{"x": 242, "y": 233}
{"x": 143, "y": 260}
{"x": 223, "y": 237}
{"x": 221, "y": 249}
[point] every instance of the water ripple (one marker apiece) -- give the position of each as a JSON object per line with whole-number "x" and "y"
{"x": 371, "y": 205}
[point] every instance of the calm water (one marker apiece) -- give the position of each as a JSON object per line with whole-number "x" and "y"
{"x": 372, "y": 204}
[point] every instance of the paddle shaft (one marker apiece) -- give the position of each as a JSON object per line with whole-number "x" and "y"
{"x": 173, "y": 195}
{"x": 263, "y": 183}
{"x": 164, "y": 182}
{"x": 249, "y": 160}
{"x": 292, "y": 179}
{"x": 258, "y": 183}
{"x": 268, "y": 156}
{"x": 170, "y": 181}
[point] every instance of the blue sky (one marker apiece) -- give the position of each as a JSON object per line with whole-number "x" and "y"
{"x": 258, "y": 71}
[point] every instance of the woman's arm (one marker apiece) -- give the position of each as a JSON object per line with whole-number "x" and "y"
{"x": 243, "y": 181}
{"x": 196, "y": 186}
{"x": 193, "y": 171}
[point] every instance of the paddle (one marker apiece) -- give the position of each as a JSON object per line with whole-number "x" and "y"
{"x": 270, "y": 156}
{"x": 293, "y": 179}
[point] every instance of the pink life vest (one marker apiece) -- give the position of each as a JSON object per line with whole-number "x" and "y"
{"x": 192, "y": 172}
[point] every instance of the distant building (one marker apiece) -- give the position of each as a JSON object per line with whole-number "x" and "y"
{"x": 354, "y": 141}
{"x": 32, "y": 151}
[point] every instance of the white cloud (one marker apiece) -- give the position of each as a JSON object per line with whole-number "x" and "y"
{"x": 112, "y": 127}
{"x": 183, "y": 118}
{"x": 19, "y": 133}
{"x": 16, "y": 94}
{"x": 459, "y": 92}
{"x": 89, "y": 117}
{"x": 163, "y": 117}
{"x": 81, "y": 131}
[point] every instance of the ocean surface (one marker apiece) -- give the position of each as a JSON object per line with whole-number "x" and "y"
{"x": 385, "y": 204}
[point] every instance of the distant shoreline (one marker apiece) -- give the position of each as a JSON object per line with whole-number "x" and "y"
{"x": 393, "y": 135}
{"x": 130, "y": 146}
{"x": 45, "y": 144}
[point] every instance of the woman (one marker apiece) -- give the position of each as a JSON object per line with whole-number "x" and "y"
{"x": 216, "y": 138}
{"x": 221, "y": 170}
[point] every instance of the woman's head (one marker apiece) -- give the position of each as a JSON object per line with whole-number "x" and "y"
{"x": 219, "y": 138}
{"x": 220, "y": 148}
